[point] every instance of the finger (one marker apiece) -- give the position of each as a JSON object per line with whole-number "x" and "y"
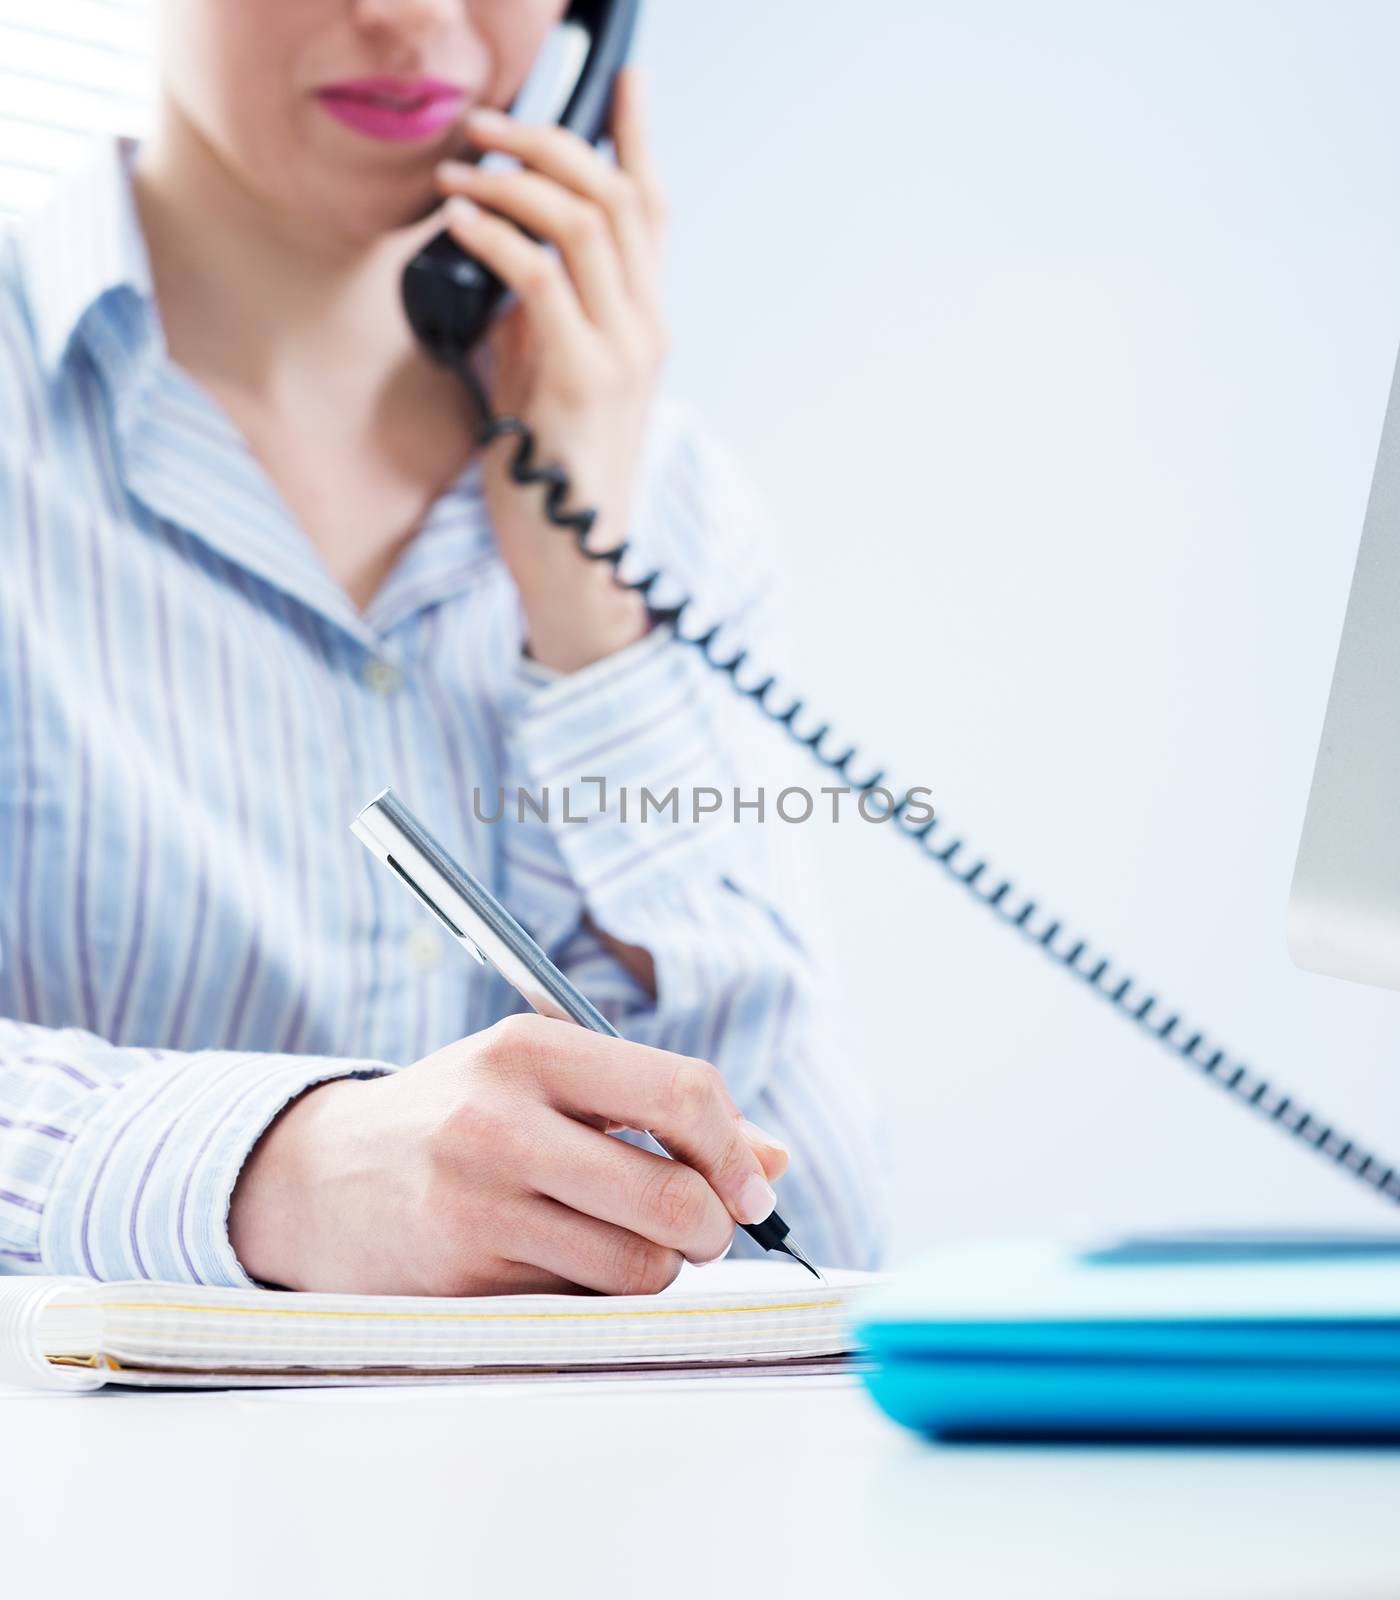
{"x": 682, "y": 1101}
{"x": 664, "y": 1201}
{"x": 571, "y": 161}
{"x": 528, "y": 268}
{"x": 594, "y": 1254}
{"x": 634, "y": 153}
{"x": 643, "y": 224}
{"x": 557, "y": 152}
{"x": 578, "y": 227}
{"x": 519, "y": 1277}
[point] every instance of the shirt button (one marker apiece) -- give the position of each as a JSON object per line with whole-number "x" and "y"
{"x": 424, "y": 949}
{"x": 382, "y": 676}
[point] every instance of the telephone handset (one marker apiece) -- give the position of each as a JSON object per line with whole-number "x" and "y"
{"x": 451, "y": 298}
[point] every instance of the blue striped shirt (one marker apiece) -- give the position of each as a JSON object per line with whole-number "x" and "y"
{"x": 191, "y": 711}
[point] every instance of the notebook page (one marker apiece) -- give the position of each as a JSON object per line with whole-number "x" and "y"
{"x": 725, "y": 1313}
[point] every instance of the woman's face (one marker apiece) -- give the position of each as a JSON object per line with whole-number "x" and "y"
{"x": 249, "y": 75}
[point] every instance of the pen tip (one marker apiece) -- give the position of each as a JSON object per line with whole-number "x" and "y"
{"x": 797, "y": 1255}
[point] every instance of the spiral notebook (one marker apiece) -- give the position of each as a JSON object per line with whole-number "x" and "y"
{"x": 75, "y": 1333}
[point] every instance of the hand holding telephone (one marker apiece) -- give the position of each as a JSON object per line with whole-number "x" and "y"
{"x": 449, "y": 296}
{"x": 450, "y": 299}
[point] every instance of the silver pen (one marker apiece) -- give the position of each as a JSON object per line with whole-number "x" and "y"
{"x": 487, "y": 931}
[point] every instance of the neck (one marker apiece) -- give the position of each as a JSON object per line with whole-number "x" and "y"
{"x": 297, "y": 306}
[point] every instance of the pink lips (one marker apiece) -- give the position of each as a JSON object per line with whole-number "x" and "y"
{"x": 398, "y": 109}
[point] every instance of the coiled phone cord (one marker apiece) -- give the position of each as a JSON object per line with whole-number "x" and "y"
{"x": 972, "y": 872}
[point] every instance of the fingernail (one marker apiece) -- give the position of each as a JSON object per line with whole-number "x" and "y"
{"x": 487, "y": 117}
{"x": 460, "y": 209}
{"x": 757, "y": 1135}
{"x": 756, "y": 1200}
{"x": 454, "y": 169}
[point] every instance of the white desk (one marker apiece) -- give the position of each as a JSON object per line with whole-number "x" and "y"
{"x": 682, "y": 1489}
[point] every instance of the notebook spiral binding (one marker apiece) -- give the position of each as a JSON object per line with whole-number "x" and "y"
{"x": 999, "y": 894}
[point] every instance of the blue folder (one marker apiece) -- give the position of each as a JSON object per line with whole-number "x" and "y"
{"x": 1202, "y": 1337}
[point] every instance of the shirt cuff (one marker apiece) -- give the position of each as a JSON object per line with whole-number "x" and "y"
{"x": 615, "y": 780}
{"x": 152, "y": 1173}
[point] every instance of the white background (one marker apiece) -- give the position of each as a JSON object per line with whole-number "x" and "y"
{"x": 1057, "y": 340}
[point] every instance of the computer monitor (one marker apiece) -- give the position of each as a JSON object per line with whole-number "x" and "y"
{"x": 1344, "y": 909}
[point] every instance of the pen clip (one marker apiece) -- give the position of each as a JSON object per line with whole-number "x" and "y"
{"x": 365, "y": 833}
{"x": 464, "y": 939}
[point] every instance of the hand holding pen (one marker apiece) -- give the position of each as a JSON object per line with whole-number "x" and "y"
{"x": 488, "y": 932}
{"x": 487, "y": 1168}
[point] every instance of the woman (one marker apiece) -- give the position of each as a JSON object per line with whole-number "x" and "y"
{"x": 255, "y": 570}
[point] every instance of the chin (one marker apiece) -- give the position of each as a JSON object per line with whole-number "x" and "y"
{"x": 364, "y": 214}
{"x": 420, "y": 211}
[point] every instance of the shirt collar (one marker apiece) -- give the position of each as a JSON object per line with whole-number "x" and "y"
{"x": 84, "y": 246}
{"x": 83, "y": 243}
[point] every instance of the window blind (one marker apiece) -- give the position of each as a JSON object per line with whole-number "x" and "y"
{"x": 70, "y": 70}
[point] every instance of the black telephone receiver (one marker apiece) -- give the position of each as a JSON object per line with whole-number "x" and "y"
{"x": 451, "y": 298}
